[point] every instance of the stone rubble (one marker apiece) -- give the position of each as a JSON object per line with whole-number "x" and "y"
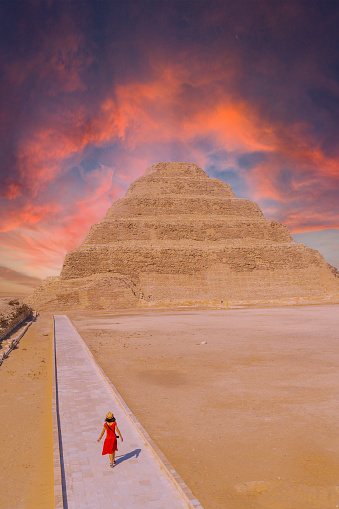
{"x": 12, "y": 313}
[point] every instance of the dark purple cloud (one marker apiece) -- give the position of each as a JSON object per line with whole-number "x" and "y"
{"x": 91, "y": 93}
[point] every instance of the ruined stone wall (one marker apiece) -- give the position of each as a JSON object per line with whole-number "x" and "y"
{"x": 12, "y": 313}
{"x": 100, "y": 291}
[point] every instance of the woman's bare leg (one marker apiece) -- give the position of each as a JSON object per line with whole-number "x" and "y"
{"x": 111, "y": 458}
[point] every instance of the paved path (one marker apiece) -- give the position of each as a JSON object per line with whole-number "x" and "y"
{"x": 83, "y": 478}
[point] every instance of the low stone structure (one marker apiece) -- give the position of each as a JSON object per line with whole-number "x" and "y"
{"x": 181, "y": 238}
{"x": 12, "y": 313}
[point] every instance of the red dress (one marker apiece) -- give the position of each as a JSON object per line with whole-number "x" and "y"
{"x": 110, "y": 443}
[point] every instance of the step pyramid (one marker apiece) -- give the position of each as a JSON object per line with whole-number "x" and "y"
{"x": 181, "y": 238}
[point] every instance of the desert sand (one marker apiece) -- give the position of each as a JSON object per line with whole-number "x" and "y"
{"x": 242, "y": 402}
{"x": 26, "y": 461}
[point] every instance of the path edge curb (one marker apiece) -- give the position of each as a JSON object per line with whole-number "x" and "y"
{"x": 165, "y": 465}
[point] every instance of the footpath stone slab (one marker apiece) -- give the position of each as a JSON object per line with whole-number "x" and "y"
{"x": 82, "y": 396}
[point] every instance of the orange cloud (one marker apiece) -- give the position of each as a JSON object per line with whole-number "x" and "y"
{"x": 41, "y": 249}
{"x": 174, "y": 106}
{"x": 28, "y": 215}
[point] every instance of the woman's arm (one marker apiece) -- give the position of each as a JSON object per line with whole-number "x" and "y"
{"x": 103, "y": 431}
{"x": 119, "y": 433}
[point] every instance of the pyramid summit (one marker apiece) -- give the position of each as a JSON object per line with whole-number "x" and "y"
{"x": 181, "y": 238}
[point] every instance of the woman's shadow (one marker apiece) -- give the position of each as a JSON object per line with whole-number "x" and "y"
{"x": 129, "y": 455}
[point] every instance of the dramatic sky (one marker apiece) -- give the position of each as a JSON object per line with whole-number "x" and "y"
{"x": 94, "y": 92}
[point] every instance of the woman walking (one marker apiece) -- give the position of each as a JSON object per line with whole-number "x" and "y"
{"x": 110, "y": 443}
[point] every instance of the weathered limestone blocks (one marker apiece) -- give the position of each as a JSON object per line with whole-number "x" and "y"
{"x": 211, "y": 230}
{"x": 100, "y": 291}
{"x": 181, "y": 238}
{"x": 176, "y": 170}
{"x": 132, "y": 260}
{"x": 4, "y": 354}
{"x": 199, "y": 206}
{"x": 168, "y": 185}
{"x": 12, "y": 313}
{"x": 223, "y": 286}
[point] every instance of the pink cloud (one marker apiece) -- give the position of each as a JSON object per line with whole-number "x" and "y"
{"x": 41, "y": 236}
{"x": 140, "y": 117}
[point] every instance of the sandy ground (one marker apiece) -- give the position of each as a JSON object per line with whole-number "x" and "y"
{"x": 249, "y": 419}
{"x": 26, "y": 461}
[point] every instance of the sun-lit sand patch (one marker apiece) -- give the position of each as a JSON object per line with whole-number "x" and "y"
{"x": 242, "y": 402}
{"x": 26, "y": 460}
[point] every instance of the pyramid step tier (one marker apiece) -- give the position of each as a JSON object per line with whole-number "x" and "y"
{"x": 166, "y": 206}
{"x": 180, "y": 186}
{"x": 136, "y": 258}
{"x": 215, "y": 229}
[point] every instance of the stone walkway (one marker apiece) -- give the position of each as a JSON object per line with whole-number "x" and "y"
{"x": 82, "y": 395}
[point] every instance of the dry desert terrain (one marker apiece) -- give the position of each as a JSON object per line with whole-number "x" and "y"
{"x": 243, "y": 402}
{"x": 26, "y": 444}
